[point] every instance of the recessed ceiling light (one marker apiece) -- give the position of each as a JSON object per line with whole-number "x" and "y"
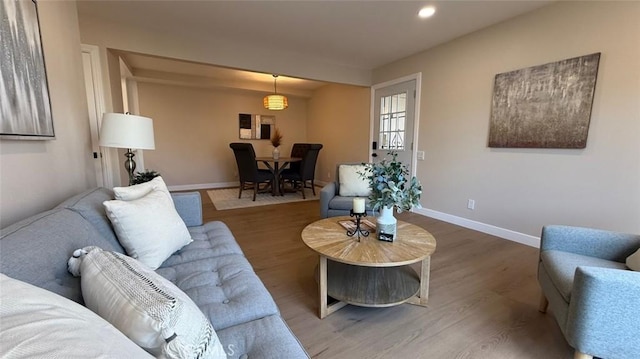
{"x": 426, "y": 12}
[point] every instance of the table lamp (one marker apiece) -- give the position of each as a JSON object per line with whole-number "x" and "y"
{"x": 127, "y": 131}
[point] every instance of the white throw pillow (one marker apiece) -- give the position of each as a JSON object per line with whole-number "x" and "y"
{"x": 633, "y": 261}
{"x": 351, "y": 183}
{"x": 147, "y": 308}
{"x": 37, "y": 323}
{"x": 149, "y": 228}
{"x": 140, "y": 190}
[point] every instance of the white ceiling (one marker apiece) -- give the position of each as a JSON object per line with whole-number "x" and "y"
{"x": 360, "y": 34}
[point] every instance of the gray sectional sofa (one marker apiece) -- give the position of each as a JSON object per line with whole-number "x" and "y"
{"x": 212, "y": 269}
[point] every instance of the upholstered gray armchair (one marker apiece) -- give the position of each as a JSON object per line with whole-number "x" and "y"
{"x": 336, "y": 202}
{"x": 594, "y": 297}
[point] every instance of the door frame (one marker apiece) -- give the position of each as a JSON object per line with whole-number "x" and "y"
{"x": 416, "y": 117}
{"x": 105, "y": 173}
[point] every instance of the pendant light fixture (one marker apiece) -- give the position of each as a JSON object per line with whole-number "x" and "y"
{"x": 275, "y": 101}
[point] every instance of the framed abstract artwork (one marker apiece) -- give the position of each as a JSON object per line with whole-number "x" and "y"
{"x": 546, "y": 106}
{"x": 25, "y": 106}
{"x": 256, "y": 127}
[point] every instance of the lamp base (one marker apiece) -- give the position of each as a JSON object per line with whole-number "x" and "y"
{"x": 130, "y": 164}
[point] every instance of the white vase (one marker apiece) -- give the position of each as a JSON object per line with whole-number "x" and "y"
{"x": 386, "y": 225}
{"x": 276, "y": 153}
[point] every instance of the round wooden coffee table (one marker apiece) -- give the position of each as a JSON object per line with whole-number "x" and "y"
{"x": 369, "y": 272}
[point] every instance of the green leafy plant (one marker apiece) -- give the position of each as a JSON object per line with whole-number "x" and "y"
{"x": 391, "y": 184}
{"x": 145, "y": 176}
{"x": 276, "y": 139}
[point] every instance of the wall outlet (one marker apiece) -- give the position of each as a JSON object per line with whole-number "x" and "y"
{"x": 328, "y": 175}
{"x": 421, "y": 155}
{"x": 471, "y": 204}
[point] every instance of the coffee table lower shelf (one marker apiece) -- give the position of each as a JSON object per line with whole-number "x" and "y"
{"x": 371, "y": 286}
{"x": 368, "y": 286}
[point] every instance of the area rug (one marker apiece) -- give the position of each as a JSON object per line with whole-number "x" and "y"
{"x": 227, "y": 198}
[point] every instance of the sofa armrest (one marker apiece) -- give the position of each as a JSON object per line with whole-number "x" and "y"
{"x": 189, "y": 207}
{"x": 604, "y": 312}
{"x": 326, "y": 195}
{"x": 589, "y": 242}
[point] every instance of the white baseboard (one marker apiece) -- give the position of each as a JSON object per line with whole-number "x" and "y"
{"x": 460, "y": 221}
{"x": 482, "y": 227}
{"x": 192, "y": 187}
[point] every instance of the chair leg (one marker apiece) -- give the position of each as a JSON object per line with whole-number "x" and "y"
{"x": 544, "y": 303}
{"x": 580, "y": 355}
{"x": 302, "y": 189}
{"x": 313, "y": 187}
{"x": 241, "y": 187}
{"x": 255, "y": 190}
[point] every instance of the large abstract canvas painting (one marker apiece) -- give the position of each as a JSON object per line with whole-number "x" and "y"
{"x": 25, "y": 107}
{"x": 546, "y": 106}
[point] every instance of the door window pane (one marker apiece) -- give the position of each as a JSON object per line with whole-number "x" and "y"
{"x": 392, "y": 118}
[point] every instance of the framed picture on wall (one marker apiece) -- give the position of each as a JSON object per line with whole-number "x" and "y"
{"x": 545, "y": 106}
{"x": 255, "y": 127}
{"x": 25, "y": 106}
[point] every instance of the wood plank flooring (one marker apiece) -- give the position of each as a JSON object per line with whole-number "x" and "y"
{"x": 482, "y": 303}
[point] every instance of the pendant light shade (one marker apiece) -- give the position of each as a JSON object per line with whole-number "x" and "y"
{"x": 275, "y": 101}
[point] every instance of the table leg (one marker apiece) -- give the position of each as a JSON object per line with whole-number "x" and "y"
{"x": 423, "y": 295}
{"x": 322, "y": 287}
{"x": 274, "y": 172}
{"x": 276, "y": 179}
{"x": 324, "y": 307}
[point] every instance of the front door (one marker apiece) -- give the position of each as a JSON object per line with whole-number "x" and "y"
{"x": 393, "y": 121}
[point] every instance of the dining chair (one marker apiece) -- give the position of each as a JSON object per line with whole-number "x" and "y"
{"x": 298, "y": 150}
{"x": 249, "y": 174}
{"x": 301, "y": 174}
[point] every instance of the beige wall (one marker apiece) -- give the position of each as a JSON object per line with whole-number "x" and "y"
{"x": 339, "y": 119}
{"x": 108, "y": 35}
{"x": 524, "y": 189}
{"x": 194, "y": 126}
{"x": 37, "y": 175}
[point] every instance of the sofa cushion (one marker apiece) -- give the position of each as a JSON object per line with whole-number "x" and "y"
{"x": 351, "y": 183}
{"x": 212, "y": 270}
{"x": 51, "y": 237}
{"x": 346, "y": 203}
{"x": 88, "y": 204}
{"x": 147, "y": 308}
{"x": 561, "y": 267}
{"x": 269, "y": 337}
{"x": 224, "y": 287}
{"x": 209, "y": 240}
{"x": 633, "y": 261}
{"x": 149, "y": 228}
{"x": 37, "y": 323}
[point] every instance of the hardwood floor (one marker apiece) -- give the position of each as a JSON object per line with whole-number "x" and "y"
{"x": 483, "y": 293}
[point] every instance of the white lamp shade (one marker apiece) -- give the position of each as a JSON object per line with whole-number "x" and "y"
{"x": 127, "y": 131}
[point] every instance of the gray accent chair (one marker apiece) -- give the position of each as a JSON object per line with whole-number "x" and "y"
{"x": 332, "y": 204}
{"x": 594, "y": 297}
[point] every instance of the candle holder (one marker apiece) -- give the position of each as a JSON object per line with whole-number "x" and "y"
{"x": 358, "y": 229}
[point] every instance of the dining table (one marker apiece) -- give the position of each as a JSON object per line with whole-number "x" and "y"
{"x": 276, "y": 166}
